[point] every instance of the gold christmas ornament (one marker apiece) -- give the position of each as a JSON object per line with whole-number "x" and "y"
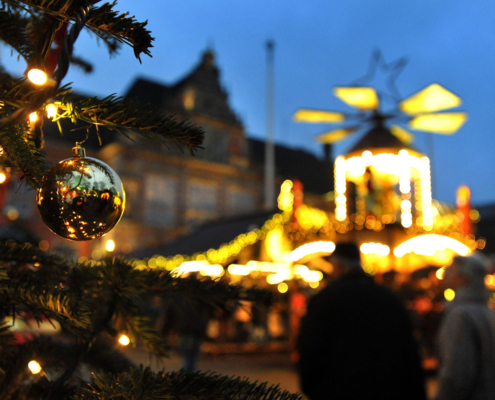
{"x": 81, "y": 198}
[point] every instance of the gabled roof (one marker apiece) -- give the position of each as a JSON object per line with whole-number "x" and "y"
{"x": 211, "y": 235}
{"x": 210, "y": 99}
{"x": 379, "y": 137}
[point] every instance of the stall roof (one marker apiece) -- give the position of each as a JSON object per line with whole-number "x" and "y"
{"x": 210, "y": 236}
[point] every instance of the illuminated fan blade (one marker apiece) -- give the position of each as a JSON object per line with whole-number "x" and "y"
{"x": 446, "y": 123}
{"x": 401, "y": 134}
{"x": 316, "y": 116}
{"x": 336, "y": 135}
{"x": 363, "y": 98}
{"x": 433, "y": 98}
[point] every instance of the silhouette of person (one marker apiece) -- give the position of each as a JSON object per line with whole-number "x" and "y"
{"x": 467, "y": 334}
{"x": 355, "y": 341}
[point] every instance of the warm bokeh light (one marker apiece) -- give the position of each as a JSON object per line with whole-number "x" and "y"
{"x": 51, "y": 110}
{"x": 335, "y": 135}
{"x": 440, "y": 273}
{"x": 446, "y": 123}
{"x": 318, "y": 117}
{"x": 44, "y": 245}
{"x": 3, "y": 177}
{"x": 428, "y": 245}
{"x": 375, "y": 249}
{"x": 340, "y": 188}
{"x": 283, "y": 287}
{"x": 314, "y": 285}
{"x": 433, "y": 98}
{"x": 13, "y": 214}
{"x": 449, "y": 294}
{"x": 124, "y": 340}
{"x": 34, "y": 367}
{"x": 96, "y": 254}
{"x": 33, "y": 117}
{"x": 401, "y": 134}
{"x": 110, "y": 245}
{"x": 37, "y": 76}
{"x": 364, "y": 98}
{"x": 310, "y": 248}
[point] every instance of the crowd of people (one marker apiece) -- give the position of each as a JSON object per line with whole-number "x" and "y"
{"x": 366, "y": 337}
{"x": 356, "y": 339}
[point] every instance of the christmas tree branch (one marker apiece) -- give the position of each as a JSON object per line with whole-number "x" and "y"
{"x": 145, "y": 384}
{"x": 55, "y": 305}
{"x": 23, "y": 154}
{"x": 112, "y": 113}
{"x": 107, "y": 24}
{"x": 14, "y": 33}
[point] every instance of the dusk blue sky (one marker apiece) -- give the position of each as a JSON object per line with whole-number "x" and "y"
{"x": 321, "y": 44}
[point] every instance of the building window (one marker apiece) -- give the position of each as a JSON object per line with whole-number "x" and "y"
{"x": 202, "y": 203}
{"x": 160, "y": 193}
{"x": 240, "y": 202}
{"x": 216, "y": 145}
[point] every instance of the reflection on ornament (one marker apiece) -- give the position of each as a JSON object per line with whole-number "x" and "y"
{"x": 81, "y": 198}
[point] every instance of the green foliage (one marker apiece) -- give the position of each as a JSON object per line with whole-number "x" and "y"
{"x": 144, "y": 384}
{"x": 29, "y": 27}
{"x": 93, "y": 301}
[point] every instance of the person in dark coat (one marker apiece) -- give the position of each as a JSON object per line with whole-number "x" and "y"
{"x": 194, "y": 315}
{"x": 356, "y": 341}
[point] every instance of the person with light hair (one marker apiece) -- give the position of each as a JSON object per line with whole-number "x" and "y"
{"x": 467, "y": 334}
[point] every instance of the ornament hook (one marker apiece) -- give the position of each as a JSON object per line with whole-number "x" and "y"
{"x": 78, "y": 151}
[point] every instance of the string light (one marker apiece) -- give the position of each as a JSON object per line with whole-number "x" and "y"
{"x": 340, "y": 189}
{"x": 440, "y": 273}
{"x": 124, "y": 340}
{"x": 37, "y": 76}
{"x": 283, "y": 287}
{"x": 449, "y": 294}
{"x": 51, "y": 110}
{"x": 3, "y": 177}
{"x": 426, "y": 194}
{"x": 110, "y": 245}
{"x": 33, "y": 117}
{"x": 375, "y": 249}
{"x": 309, "y": 248}
{"x": 428, "y": 245}
{"x": 34, "y": 367}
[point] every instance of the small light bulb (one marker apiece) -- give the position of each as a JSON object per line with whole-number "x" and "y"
{"x": 124, "y": 340}
{"x": 37, "y": 76}
{"x": 449, "y": 294}
{"x": 34, "y": 367}
{"x": 110, "y": 245}
{"x": 51, "y": 110}
{"x": 33, "y": 117}
{"x": 2, "y": 177}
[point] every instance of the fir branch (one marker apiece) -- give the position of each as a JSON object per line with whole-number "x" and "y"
{"x": 113, "y": 113}
{"x": 84, "y": 65}
{"x": 144, "y": 384}
{"x": 14, "y": 33}
{"x": 52, "y": 304}
{"x": 214, "y": 292}
{"x": 29, "y": 254}
{"x": 23, "y": 154}
{"x": 103, "y": 21}
{"x": 142, "y": 328}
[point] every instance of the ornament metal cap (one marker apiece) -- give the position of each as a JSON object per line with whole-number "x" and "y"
{"x": 78, "y": 151}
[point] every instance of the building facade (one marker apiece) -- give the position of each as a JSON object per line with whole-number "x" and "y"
{"x": 170, "y": 193}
